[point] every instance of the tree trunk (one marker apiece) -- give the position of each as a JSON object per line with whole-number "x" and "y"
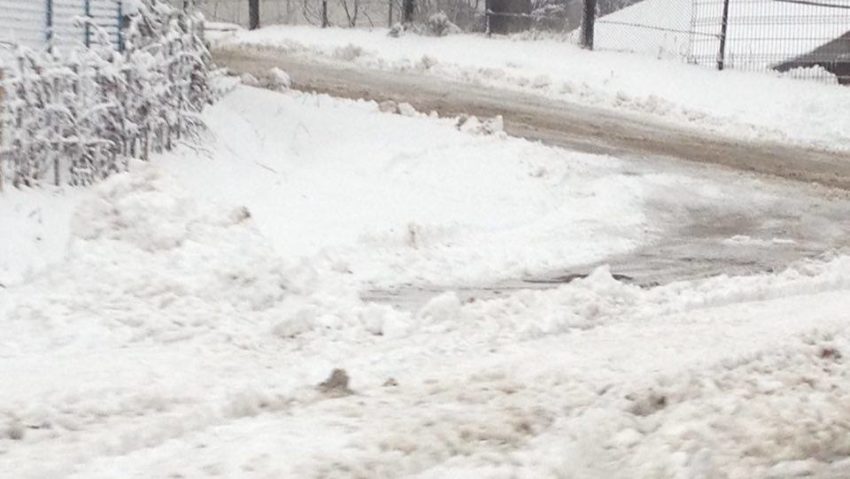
{"x": 407, "y": 11}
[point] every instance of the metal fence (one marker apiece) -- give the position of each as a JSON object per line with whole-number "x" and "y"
{"x": 803, "y": 38}
{"x": 75, "y": 119}
{"x": 60, "y": 23}
{"x": 810, "y": 39}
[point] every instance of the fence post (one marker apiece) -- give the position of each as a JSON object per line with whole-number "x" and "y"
{"x": 487, "y": 16}
{"x": 588, "y": 23}
{"x": 120, "y": 26}
{"x": 48, "y": 22}
{"x": 724, "y": 25}
{"x": 2, "y": 130}
{"x": 253, "y": 14}
{"x": 390, "y": 15}
{"x": 325, "y": 22}
{"x": 87, "y": 13}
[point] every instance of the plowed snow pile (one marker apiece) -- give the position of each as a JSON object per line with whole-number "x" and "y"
{"x": 174, "y": 341}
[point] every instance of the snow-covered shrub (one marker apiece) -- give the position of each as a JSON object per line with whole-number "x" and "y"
{"x": 278, "y": 79}
{"x": 439, "y": 25}
{"x": 397, "y": 30}
{"x": 76, "y": 117}
{"x": 491, "y": 126}
{"x": 250, "y": 80}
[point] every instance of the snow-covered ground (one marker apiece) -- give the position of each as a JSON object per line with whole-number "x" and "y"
{"x": 390, "y": 199}
{"x": 191, "y": 307}
{"x": 743, "y": 105}
{"x": 387, "y": 199}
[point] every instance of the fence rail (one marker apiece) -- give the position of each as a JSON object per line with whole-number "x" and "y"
{"x": 60, "y": 23}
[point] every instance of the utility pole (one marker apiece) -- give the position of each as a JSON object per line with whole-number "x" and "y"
{"x": 253, "y": 14}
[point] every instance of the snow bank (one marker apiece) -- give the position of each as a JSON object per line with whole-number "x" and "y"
{"x": 745, "y": 105}
{"x": 388, "y": 199}
{"x": 148, "y": 263}
{"x": 35, "y": 226}
{"x": 600, "y": 299}
{"x": 668, "y": 387}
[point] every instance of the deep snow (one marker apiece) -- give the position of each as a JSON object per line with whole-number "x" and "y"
{"x": 174, "y": 342}
{"x": 390, "y": 199}
{"x": 198, "y": 300}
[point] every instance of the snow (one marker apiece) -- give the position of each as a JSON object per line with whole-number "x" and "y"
{"x": 669, "y": 37}
{"x": 221, "y": 27}
{"x": 174, "y": 361}
{"x": 742, "y": 105}
{"x": 398, "y": 199}
{"x": 34, "y": 225}
{"x": 410, "y": 200}
{"x": 199, "y": 299}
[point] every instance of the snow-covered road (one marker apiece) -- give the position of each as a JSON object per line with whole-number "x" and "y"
{"x": 189, "y": 309}
{"x": 566, "y": 122}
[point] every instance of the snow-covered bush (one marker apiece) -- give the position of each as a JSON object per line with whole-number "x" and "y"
{"x": 74, "y": 117}
{"x": 439, "y": 25}
{"x": 278, "y": 79}
{"x": 397, "y": 30}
